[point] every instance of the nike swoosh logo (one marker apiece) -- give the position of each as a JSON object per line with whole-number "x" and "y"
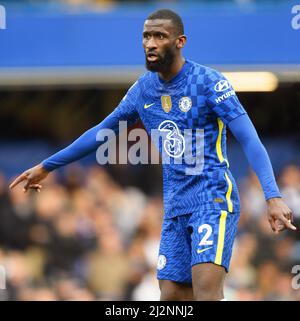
{"x": 147, "y": 106}
{"x": 200, "y": 251}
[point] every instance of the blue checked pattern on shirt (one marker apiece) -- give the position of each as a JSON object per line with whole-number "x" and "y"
{"x": 203, "y": 101}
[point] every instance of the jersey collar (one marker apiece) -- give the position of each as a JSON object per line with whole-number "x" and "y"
{"x": 179, "y": 76}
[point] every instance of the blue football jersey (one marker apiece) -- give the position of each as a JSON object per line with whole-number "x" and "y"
{"x": 190, "y": 112}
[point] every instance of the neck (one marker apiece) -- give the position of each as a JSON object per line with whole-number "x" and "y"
{"x": 174, "y": 69}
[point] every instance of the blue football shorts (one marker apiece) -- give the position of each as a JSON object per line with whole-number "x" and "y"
{"x": 200, "y": 237}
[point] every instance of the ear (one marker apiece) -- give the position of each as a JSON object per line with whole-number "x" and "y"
{"x": 181, "y": 41}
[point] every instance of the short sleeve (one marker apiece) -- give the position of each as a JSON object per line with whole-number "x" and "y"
{"x": 127, "y": 108}
{"x": 221, "y": 97}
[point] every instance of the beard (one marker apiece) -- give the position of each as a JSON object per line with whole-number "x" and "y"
{"x": 163, "y": 63}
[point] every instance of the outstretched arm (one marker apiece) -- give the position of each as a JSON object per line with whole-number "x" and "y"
{"x": 84, "y": 145}
{"x": 279, "y": 214}
{"x": 81, "y": 147}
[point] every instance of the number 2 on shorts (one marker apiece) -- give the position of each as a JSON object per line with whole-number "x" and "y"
{"x": 205, "y": 239}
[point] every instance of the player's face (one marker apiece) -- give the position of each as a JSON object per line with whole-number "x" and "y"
{"x": 159, "y": 42}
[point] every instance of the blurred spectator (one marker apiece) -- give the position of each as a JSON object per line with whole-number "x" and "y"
{"x": 84, "y": 237}
{"x": 252, "y": 198}
{"x": 290, "y": 181}
{"x": 108, "y": 267}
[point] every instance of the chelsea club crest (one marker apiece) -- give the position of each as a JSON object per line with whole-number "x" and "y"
{"x": 185, "y": 104}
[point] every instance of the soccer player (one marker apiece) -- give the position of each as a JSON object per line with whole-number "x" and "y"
{"x": 201, "y": 209}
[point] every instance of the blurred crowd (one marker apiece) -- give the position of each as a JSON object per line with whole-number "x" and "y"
{"x": 84, "y": 237}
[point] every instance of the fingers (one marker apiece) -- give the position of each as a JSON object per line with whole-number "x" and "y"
{"x": 283, "y": 223}
{"x": 279, "y": 225}
{"x": 290, "y": 217}
{"x": 273, "y": 225}
{"x": 26, "y": 186}
{"x": 18, "y": 180}
{"x": 36, "y": 187}
{"x": 288, "y": 223}
{"x": 29, "y": 184}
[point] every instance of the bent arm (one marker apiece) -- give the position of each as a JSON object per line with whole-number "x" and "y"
{"x": 245, "y": 133}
